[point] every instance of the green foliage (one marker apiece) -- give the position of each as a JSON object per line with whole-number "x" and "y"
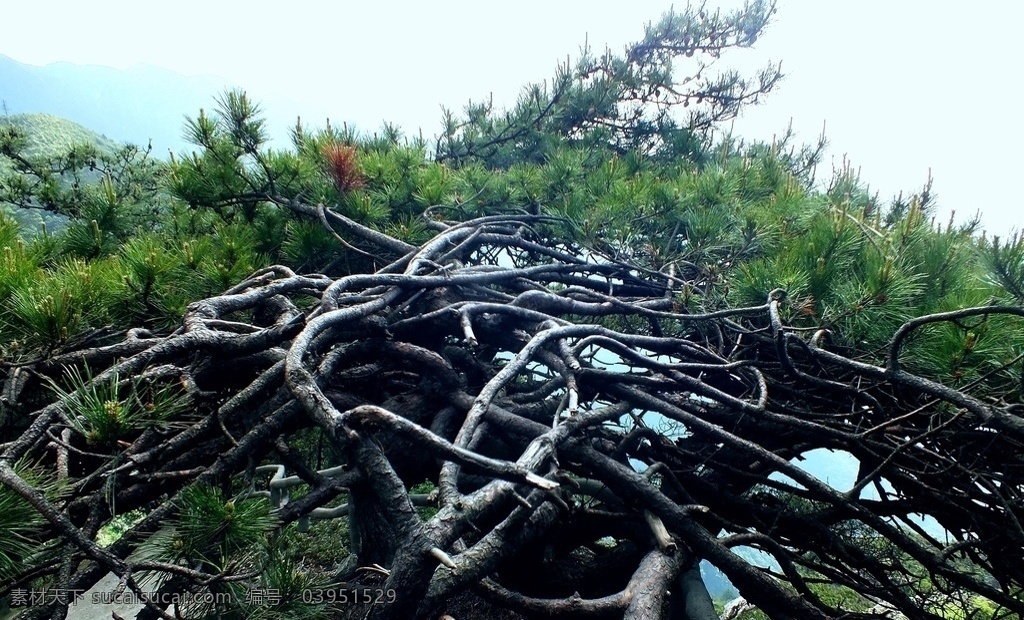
{"x": 309, "y": 245}
{"x": 231, "y": 255}
{"x": 213, "y": 529}
{"x": 661, "y": 98}
{"x": 380, "y": 182}
{"x": 291, "y": 581}
{"x": 59, "y": 302}
{"x": 161, "y": 276}
{"x": 321, "y": 546}
{"x": 426, "y": 488}
{"x": 150, "y": 265}
{"x": 21, "y": 525}
{"x": 1005, "y": 259}
{"x": 117, "y": 527}
{"x": 732, "y": 211}
{"x": 18, "y": 263}
{"x": 105, "y": 411}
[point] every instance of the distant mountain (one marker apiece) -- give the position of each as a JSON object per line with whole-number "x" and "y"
{"x": 136, "y": 105}
{"x": 140, "y": 104}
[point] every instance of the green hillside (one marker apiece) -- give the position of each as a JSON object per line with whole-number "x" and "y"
{"x": 48, "y": 136}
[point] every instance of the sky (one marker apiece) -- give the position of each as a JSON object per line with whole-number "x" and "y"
{"x": 902, "y": 88}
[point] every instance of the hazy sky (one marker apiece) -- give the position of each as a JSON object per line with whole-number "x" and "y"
{"x": 903, "y": 86}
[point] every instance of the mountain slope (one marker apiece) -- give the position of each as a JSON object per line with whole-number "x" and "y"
{"x": 48, "y": 135}
{"x": 136, "y": 105}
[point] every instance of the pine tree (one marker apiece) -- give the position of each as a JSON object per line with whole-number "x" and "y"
{"x": 545, "y": 367}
